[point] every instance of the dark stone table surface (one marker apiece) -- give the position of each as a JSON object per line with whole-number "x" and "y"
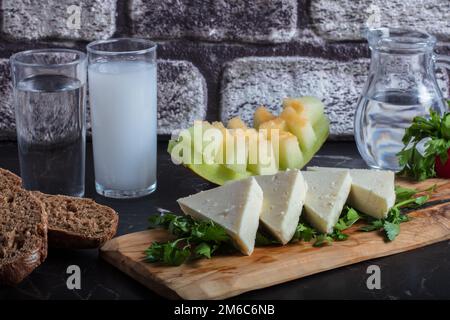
{"x": 422, "y": 273}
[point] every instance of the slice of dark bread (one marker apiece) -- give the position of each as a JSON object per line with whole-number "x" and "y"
{"x": 9, "y": 179}
{"x": 23, "y": 232}
{"x": 78, "y": 223}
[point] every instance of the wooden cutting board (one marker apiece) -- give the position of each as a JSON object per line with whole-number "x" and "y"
{"x": 226, "y": 276}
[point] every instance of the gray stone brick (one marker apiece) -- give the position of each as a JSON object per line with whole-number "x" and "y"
{"x": 249, "y": 21}
{"x": 7, "y": 124}
{"x": 253, "y": 81}
{"x": 182, "y": 97}
{"x": 27, "y": 19}
{"x": 342, "y": 20}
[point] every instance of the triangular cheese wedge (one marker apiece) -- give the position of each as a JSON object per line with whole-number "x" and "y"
{"x": 326, "y": 197}
{"x": 373, "y": 191}
{"x": 284, "y": 196}
{"x": 236, "y": 206}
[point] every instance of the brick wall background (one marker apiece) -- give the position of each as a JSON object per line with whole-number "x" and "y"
{"x": 221, "y": 58}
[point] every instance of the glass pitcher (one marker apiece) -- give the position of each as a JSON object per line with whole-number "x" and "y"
{"x": 401, "y": 85}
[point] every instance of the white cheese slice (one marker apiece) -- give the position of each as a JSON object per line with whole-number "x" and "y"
{"x": 284, "y": 196}
{"x": 236, "y": 206}
{"x": 326, "y": 197}
{"x": 373, "y": 191}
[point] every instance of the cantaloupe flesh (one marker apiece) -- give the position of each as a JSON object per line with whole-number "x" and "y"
{"x": 234, "y": 158}
{"x": 261, "y": 115}
{"x": 300, "y": 127}
{"x": 236, "y": 151}
{"x": 286, "y": 146}
{"x": 236, "y": 123}
{"x": 261, "y": 155}
{"x": 276, "y": 125}
{"x": 233, "y": 152}
{"x": 289, "y": 154}
{"x": 310, "y": 107}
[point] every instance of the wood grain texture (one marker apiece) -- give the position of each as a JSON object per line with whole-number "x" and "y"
{"x": 227, "y": 276}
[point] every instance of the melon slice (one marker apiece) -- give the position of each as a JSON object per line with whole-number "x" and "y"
{"x": 289, "y": 154}
{"x": 300, "y": 127}
{"x": 218, "y": 125}
{"x": 322, "y": 130}
{"x": 262, "y": 159}
{"x": 262, "y": 115}
{"x": 236, "y": 123}
{"x": 215, "y": 173}
{"x": 294, "y": 148}
{"x": 310, "y": 107}
{"x": 273, "y": 126}
{"x": 233, "y": 152}
{"x": 191, "y": 144}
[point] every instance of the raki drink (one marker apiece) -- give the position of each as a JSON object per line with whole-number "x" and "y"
{"x": 124, "y": 123}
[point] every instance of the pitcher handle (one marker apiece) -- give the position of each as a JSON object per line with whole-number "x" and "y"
{"x": 443, "y": 61}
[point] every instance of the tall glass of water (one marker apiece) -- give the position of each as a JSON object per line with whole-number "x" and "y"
{"x": 122, "y": 97}
{"x": 49, "y": 97}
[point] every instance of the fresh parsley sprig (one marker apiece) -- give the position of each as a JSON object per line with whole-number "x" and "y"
{"x": 194, "y": 239}
{"x": 349, "y": 217}
{"x": 304, "y": 232}
{"x": 405, "y": 198}
{"x": 434, "y": 134}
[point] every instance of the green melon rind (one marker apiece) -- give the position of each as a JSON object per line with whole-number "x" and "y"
{"x": 215, "y": 173}
{"x": 322, "y": 130}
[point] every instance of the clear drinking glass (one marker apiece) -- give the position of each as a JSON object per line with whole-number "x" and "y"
{"x": 49, "y": 97}
{"x": 122, "y": 97}
{"x": 401, "y": 85}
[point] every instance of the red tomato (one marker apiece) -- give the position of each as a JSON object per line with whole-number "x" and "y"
{"x": 443, "y": 170}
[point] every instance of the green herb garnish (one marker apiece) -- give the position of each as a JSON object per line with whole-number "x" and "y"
{"x": 434, "y": 134}
{"x": 195, "y": 239}
{"x": 323, "y": 239}
{"x": 347, "y": 219}
{"x": 404, "y": 199}
{"x": 304, "y": 232}
{"x": 264, "y": 240}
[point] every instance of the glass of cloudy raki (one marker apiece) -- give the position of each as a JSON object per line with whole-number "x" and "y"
{"x": 122, "y": 98}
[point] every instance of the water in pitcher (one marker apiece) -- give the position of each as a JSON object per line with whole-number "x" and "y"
{"x": 400, "y": 86}
{"x": 50, "y": 131}
{"x": 385, "y": 118}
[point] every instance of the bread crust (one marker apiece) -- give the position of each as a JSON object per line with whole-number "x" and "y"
{"x": 13, "y": 272}
{"x": 16, "y": 271}
{"x": 12, "y": 179}
{"x": 66, "y": 239}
